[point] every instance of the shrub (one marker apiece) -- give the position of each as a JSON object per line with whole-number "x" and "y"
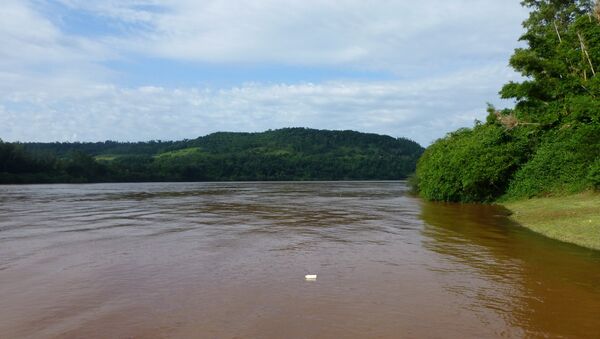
{"x": 566, "y": 162}
{"x": 594, "y": 174}
{"x": 472, "y": 164}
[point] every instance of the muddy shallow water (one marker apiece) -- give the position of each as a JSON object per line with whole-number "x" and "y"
{"x": 226, "y": 260}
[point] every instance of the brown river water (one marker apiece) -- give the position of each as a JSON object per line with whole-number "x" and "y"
{"x": 228, "y": 260}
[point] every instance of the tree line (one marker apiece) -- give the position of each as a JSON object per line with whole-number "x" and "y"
{"x": 285, "y": 154}
{"x": 549, "y": 143}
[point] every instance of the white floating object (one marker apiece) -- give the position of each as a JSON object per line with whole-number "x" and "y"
{"x": 310, "y": 277}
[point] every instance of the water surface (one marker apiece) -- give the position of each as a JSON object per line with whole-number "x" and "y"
{"x": 227, "y": 260}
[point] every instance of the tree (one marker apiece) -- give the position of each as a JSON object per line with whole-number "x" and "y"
{"x": 550, "y": 142}
{"x": 559, "y": 63}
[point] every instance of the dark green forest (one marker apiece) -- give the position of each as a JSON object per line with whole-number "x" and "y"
{"x": 549, "y": 143}
{"x": 285, "y": 154}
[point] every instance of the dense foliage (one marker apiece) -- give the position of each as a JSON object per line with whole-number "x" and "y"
{"x": 286, "y": 154}
{"x": 563, "y": 39}
{"x": 550, "y": 142}
{"x": 564, "y": 163}
{"x": 460, "y": 167}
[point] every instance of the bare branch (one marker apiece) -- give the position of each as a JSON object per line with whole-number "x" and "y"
{"x": 585, "y": 52}
{"x": 557, "y": 32}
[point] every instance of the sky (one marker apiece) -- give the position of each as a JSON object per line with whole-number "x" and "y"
{"x": 138, "y": 70}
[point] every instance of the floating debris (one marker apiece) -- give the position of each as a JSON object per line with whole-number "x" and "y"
{"x": 310, "y": 277}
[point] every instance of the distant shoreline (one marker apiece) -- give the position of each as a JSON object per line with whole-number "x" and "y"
{"x": 290, "y": 154}
{"x": 212, "y": 182}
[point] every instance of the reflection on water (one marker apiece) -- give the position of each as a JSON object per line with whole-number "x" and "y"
{"x": 545, "y": 287}
{"x": 227, "y": 260}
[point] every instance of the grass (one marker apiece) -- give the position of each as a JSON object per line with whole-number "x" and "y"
{"x": 105, "y": 157}
{"x": 181, "y": 152}
{"x": 574, "y": 218}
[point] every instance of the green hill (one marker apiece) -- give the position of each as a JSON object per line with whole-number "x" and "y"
{"x": 285, "y": 154}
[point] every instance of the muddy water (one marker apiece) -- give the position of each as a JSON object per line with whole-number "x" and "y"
{"x": 228, "y": 260}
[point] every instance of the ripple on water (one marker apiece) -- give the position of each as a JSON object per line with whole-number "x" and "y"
{"x": 229, "y": 259}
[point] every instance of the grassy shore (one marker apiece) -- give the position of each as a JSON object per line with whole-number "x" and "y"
{"x": 574, "y": 219}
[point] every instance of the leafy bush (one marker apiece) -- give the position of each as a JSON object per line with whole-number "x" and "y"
{"x": 471, "y": 164}
{"x": 567, "y": 162}
{"x": 594, "y": 174}
{"x": 556, "y": 118}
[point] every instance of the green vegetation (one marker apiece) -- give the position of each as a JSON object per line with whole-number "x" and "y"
{"x": 538, "y": 157}
{"x": 286, "y": 154}
{"x": 461, "y": 167}
{"x": 564, "y": 163}
{"x": 186, "y": 152}
{"x": 549, "y": 144}
{"x": 574, "y": 218}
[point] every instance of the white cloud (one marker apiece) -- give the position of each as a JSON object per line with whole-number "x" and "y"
{"x": 29, "y": 39}
{"x": 420, "y": 110}
{"x": 36, "y": 55}
{"x": 401, "y": 36}
{"x": 449, "y": 58}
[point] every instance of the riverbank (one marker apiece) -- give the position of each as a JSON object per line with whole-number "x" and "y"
{"x": 574, "y": 219}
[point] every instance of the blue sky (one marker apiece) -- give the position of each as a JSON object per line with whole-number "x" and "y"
{"x": 85, "y": 70}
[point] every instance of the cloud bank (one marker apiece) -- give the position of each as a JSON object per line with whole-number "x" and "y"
{"x": 439, "y": 61}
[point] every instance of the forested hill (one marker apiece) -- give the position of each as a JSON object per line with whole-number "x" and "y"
{"x": 285, "y": 154}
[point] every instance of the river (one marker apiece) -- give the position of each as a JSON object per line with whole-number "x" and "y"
{"x": 228, "y": 260}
